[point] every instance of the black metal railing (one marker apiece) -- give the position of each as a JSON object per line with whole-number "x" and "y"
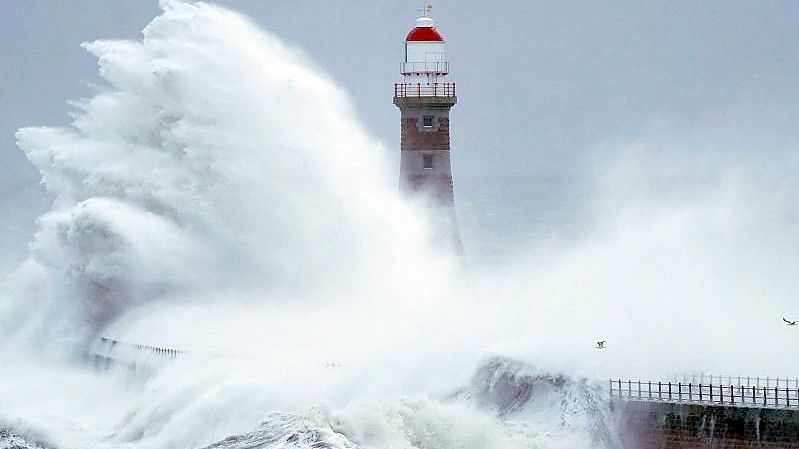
{"x": 729, "y": 379}
{"x": 707, "y": 394}
{"x": 403, "y": 90}
{"x": 166, "y": 352}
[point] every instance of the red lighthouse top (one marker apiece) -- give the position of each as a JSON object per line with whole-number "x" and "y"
{"x": 425, "y": 31}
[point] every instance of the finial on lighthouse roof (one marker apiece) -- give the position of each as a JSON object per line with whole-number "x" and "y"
{"x": 424, "y": 20}
{"x": 425, "y": 10}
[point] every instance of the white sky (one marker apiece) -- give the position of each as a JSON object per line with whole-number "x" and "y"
{"x": 540, "y": 83}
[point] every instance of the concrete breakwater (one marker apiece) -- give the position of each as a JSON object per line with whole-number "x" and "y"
{"x": 662, "y": 425}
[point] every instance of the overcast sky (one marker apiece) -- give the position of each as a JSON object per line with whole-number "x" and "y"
{"x": 540, "y": 83}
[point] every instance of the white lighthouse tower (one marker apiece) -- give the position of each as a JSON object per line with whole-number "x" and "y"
{"x": 424, "y": 98}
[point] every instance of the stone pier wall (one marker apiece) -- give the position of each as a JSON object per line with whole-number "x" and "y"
{"x": 647, "y": 425}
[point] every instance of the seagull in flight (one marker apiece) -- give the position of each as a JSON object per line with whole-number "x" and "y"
{"x": 789, "y": 323}
{"x": 600, "y": 344}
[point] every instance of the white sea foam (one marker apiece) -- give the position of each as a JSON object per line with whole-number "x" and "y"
{"x": 221, "y": 198}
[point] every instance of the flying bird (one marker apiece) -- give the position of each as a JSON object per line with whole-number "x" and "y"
{"x": 600, "y": 344}
{"x": 789, "y": 323}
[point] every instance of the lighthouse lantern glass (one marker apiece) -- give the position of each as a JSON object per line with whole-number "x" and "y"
{"x": 425, "y": 61}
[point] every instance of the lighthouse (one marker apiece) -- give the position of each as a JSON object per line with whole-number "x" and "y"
{"x": 424, "y": 98}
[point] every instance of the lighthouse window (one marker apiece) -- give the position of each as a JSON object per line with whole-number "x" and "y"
{"x": 427, "y": 160}
{"x": 427, "y": 121}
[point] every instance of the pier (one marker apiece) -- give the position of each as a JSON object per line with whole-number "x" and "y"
{"x": 707, "y": 411}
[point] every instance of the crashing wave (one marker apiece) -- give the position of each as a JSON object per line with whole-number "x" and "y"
{"x": 14, "y": 439}
{"x": 290, "y": 431}
{"x": 217, "y": 160}
{"x": 221, "y": 196}
{"x": 519, "y": 393}
{"x": 508, "y": 404}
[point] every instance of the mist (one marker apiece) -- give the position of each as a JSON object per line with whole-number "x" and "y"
{"x": 221, "y": 196}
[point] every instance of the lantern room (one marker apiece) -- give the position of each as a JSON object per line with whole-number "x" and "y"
{"x": 425, "y": 53}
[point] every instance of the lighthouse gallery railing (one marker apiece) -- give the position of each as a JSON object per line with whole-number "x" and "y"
{"x": 704, "y": 394}
{"x": 410, "y": 68}
{"x": 403, "y": 90}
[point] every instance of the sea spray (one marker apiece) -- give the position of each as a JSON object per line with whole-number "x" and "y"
{"x": 219, "y": 197}
{"x": 216, "y": 160}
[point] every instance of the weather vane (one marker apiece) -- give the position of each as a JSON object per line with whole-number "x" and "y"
{"x": 425, "y": 10}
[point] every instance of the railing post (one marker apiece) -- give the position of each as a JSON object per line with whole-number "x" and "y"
{"x": 776, "y": 396}
{"x": 669, "y": 391}
{"x": 650, "y": 390}
{"x": 700, "y": 393}
{"x": 679, "y": 391}
{"x": 629, "y": 388}
{"x": 660, "y": 392}
{"x": 711, "y": 393}
{"x": 732, "y": 395}
{"x": 620, "y": 390}
{"x": 690, "y": 393}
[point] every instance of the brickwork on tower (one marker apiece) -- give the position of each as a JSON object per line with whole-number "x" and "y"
{"x": 425, "y": 147}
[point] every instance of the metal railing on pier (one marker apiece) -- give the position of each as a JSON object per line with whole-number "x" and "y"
{"x": 404, "y": 90}
{"x": 106, "y": 351}
{"x": 110, "y": 343}
{"x": 747, "y": 381}
{"x": 704, "y": 394}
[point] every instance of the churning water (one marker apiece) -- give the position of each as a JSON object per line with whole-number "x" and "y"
{"x": 220, "y": 198}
